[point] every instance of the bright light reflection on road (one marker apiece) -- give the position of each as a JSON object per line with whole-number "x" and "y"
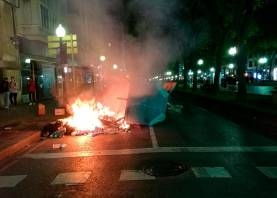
{"x": 83, "y": 140}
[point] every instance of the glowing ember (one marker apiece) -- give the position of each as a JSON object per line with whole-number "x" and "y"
{"x": 87, "y": 116}
{"x": 123, "y": 124}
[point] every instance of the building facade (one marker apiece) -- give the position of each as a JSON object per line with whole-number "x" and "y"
{"x": 36, "y": 20}
{"x": 262, "y": 71}
{"x": 9, "y": 53}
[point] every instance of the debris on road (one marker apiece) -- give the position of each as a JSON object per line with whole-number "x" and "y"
{"x": 53, "y": 129}
{"x": 59, "y": 128}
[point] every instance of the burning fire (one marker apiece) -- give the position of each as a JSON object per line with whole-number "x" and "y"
{"x": 89, "y": 115}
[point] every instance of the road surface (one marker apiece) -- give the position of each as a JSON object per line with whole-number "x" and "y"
{"x": 220, "y": 159}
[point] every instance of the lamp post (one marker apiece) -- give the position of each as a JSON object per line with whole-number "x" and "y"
{"x": 60, "y": 33}
{"x": 233, "y": 51}
{"x": 115, "y": 66}
{"x": 200, "y": 62}
{"x": 263, "y": 61}
{"x": 102, "y": 58}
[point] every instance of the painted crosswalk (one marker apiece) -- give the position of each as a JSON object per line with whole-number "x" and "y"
{"x": 129, "y": 175}
{"x": 212, "y": 172}
{"x": 71, "y": 178}
{"x": 270, "y": 172}
{"x": 11, "y": 181}
{"x": 82, "y": 177}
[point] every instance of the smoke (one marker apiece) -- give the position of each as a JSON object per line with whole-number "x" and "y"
{"x": 153, "y": 41}
{"x": 140, "y": 36}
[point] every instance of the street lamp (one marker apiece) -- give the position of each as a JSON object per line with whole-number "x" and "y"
{"x": 60, "y": 31}
{"x": 263, "y": 60}
{"x": 190, "y": 73}
{"x": 102, "y": 58}
{"x": 115, "y": 66}
{"x": 168, "y": 73}
{"x": 233, "y": 51}
{"x": 28, "y": 60}
{"x": 199, "y": 71}
{"x": 212, "y": 69}
{"x": 200, "y": 62}
{"x": 231, "y": 66}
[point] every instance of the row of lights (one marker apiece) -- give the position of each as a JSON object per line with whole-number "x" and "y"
{"x": 232, "y": 52}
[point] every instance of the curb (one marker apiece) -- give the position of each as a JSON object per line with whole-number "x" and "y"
{"x": 11, "y": 150}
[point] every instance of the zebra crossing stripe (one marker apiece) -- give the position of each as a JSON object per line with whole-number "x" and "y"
{"x": 11, "y": 181}
{"x": 211, "y": 172}
{"x": 71, "y": 178}
{"x": 133, "y": 175}
{"x": 270, "y": 172}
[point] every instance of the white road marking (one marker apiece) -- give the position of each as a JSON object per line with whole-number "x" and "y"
{"x": 71, "y": 178}
{"x": 231, "y": 149}
{"x": 213, "y": 172}
{"x": 132, "y": 175}
{"x": 8, "y": 165}
{"x": 11, "y": 181}
{"x": 270, "y": 172}
{"x": 153, "y": 138}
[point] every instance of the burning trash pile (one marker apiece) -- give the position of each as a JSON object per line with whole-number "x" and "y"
{"x": 87, "y": 118}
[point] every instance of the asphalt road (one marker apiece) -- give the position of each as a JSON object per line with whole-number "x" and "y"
{"x": 220, "y": 157}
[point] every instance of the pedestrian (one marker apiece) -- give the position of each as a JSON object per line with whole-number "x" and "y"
{"x": 13, "y": 91}
{"x": 5, "y": 91}
{"x": 31, "y": 85}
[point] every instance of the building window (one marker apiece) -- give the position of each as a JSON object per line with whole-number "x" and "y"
{"x": 44, "y": 17}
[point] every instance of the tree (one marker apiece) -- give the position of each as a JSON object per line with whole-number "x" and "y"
{"x": 232, "y": 22}
{"x": 194, "y": 26}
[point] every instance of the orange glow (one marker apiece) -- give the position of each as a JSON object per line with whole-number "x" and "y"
{"x": 87, "y": 115}
{"x": 124, "y": 125}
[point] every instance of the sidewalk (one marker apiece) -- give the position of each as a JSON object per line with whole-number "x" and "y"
{"x": 20, "y": 126}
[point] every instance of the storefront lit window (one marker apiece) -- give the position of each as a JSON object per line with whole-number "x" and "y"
{"x": 275, "y": 73}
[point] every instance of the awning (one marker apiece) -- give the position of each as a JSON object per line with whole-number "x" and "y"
{"x": 37, "y": 58}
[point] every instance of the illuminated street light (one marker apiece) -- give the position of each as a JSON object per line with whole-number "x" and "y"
{"x": 102, "y": 58}
{"x": 231, "y": 66}
{"x": 212, "y": 69}
{"x": 168, "y": 73}
{"x": 200, "y": 62}
{"x": 28, "y": 60}
{"x": 60, "y": 31}
{"x": 115, "y": 66}
{"x": 199, "y": 71}
{"x": 263, "y": 60}
{"x": 190, "y": 73}
{"x": 232, "y": 51}
{"x": 65, "y": 69}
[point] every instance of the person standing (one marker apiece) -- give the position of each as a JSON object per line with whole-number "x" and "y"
{"x": 13, "y": 91}
{"x": 32, "y": 91}
{"x": 5, "y": 90}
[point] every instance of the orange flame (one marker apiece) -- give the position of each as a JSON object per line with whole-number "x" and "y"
{"x": 87, "y": 115}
